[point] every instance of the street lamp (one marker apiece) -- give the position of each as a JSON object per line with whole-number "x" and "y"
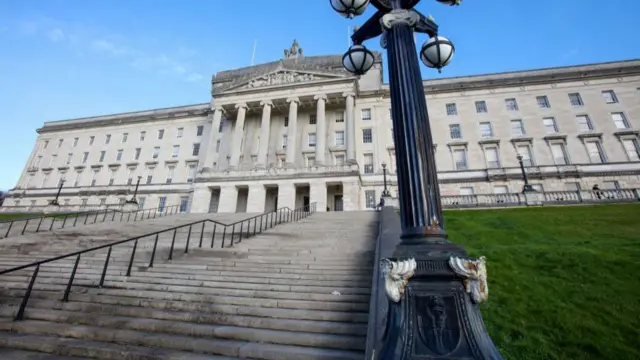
{"x": 527, "y": 187}
{"x": 432, "y": 311}
{"x": 385, "y": 192}
{"x": 54, "y": 202}
{"x": 133, "y": 199}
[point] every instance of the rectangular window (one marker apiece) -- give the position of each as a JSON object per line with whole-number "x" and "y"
{"x": 85, "y": 157}
{"x": 339, "y": 116}
{"x": 170, "y": 172}
{"x": 339, "y": 160}
{"x": 366, "y": 114}
{"x": 313, "y": 119}
{"x": 91, "y": 139}
{"x": 93, "y": 178}
{"x": 543, "y": 102}
{"x": 632, "y": 149}
{"x": 491, "y": 157}
{"x": 595, "y": 152}
{"x": 179, "y": 132}
{"x": 103, "y": 201}
{"x": 77, "y": 180}
{"x": 284, "y": 141}
{"x": 160, "y": 134}
{"x": 609, "y": 97}
{"x": 125, "y": 136}
{"x": 368, "y": 163}
{"x": 451, "y": 109}
{"x": 162, "y": 203}
{"x": 311, "y": 161}
{"x": 196, "y": 149}
{"x": 525, "y": 152}
{"x": 184, "y": 204}
{"x": 370, "y": 198}
{"x": 69, "y": 156}
{"x": 112, "y": 177}
{"x": 84, "y": 203}
{"x": 60, "y": 141}
{"x": 156, "y": 152}
{"x": 191, "y": 174}
{"x": 136, "y": 156}
{"x": 312, "y": 139}
{"x": 75, "y": 142}
{"x": 130, "y": 177}
{"x": 102, "y": 154}
{"x": 286, "y": 121}
{"x": 149, "y": 176}
{"x": 143, "y": 134}
{"x": 575, "y": 99}
{"x": 45, "y": 179}
{"x": 199, "y": 130}
{"x": 481, "y": 107}
{"x": 176, "y": 151}
{"x": 550, "y": 125}
{"x": 218, "y": 146}
{"x": 620, "y": 120}
{"x": 339, "y": 138}
{"x": 53, "y": 159}
{"x": 46, "y": 144}
{"x": 119, "y": 155}
{"x": 367, "y": 136}
{"x": 486, "y": 130}
{"x": 559, "y": 154}
{"x": 584, "y": 123}
{"x": 454, "y": 131}
{"x": 512, "y": 104}
{"x": 460, "y": 159}
{"x": 517, "y": 128}
{"x": 141, "y": 203}
{"x": 107, "y": 139}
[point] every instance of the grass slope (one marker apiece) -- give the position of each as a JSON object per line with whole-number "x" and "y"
{"x": 562, "y": 280}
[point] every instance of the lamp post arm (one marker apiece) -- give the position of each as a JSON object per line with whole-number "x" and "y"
{"x": 425, "y": 25}
{"x": 368, "y": 30}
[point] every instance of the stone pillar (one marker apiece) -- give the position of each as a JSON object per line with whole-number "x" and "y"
{"x": 350, "y": 128}
{"x": 292, "y": 134}
{"x": 321, "y": 131}
{"x": 238, "y": 132}
{"x": 265, "y": 128}
{"x": 287, "y": 196}
{"x": 318, "y": 195}
{"x": 228, "y": 199}
{"x": 257, "y": 194}
{"x": 209, "y": 152}
{"x": 200, "y": 200}
{"x": 350, "y": 195}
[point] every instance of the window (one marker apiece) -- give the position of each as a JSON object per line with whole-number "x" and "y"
{"x": 284, "y": 141}
{"x": 112, "y": 177}
{"x": 107, "y": 139}
{"x": 136, "y": 155}
{"x": 486, "y": 130}
{"x": 53, "y": 159}
{"x": 143, "y": 134}
{"x": 76, "y": 182}
{"x": 37, "y": 161}
{"x": 156, "y": 152}
{"x": 366, "y": 114}
{"x": 286, "y": 121}
{"x": 481, "y": 107}
{"x": 500, "y": 189}
{"x": 121, "y": 201}
{"x": 218, "y": 146}
{"x": 584, "y": 123}
{"x": 367, "y": 137}
{"x": 512, "y": 104}
{"x": 60, "y": 141}
{"x": 595, "y": 152}
{"x": 160, "y": 134}
{"x": 368, "y": 163}
{"x": 46, "y": 144}
{"x": 460, "y": 159}
{"x": 311, "y": 161}
{"x": 525, "y": 151}
{"x": 339, "y": 160}
{"x": 125, "y": 136}
{"x": 559, "y": 154}
{"x": 141, "y": 203}
{"x": 199, "y": 130}
{"x": 75, "y": 142}
{"x": 312, "y": 139}
{"x": 91, "y": 139}
{"x": 221, "y": 126}
{"x": 45, "y": 179}
{"x": 517, "y": 128}
{"x": 572, "y": 186}
{"x": 609, "y": 97}
{"x": 84, "y": 203}
{"x": 130, "y": 177}
{"x": 491, "y": 157}
{"x": 102, "y": 154}
{"x": 149, "y": 175}
{"x": 69, "y": 156}
{"x": 550, "y": 125}
{"x": 85, "y": 157}
{"x": 632, "y": 148}
{"x": 451, "y": 109}
{"x": 119, "y": 155}
{"x": 339, "y": 138}
{"x": 620, "y": 120}
{"x": 191, "y": 174}
{"x": 543, "y": 102}
{"x": 575, "y": 99}
{"x": 340, "y": 116}
{"x": 176, "y": 151}
{"x": 370, "y": 199}
{"x": 454, "y": 131}
{"x": 196, "y": 149}
{"x": 179, "y": 132}
{"x": 103, "y": 201}
{"x": 170, "y": 172}
{"x": 313, "y": 119}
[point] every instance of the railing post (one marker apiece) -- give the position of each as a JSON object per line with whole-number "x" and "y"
{"x": 153, "y": 252}
{"x": 272, "y": 219}
{"x": 248, "y": 228}
{"x": 133, "y": 255}
{"x": 25, "y": 226}
{"x": 186, "y": 248}
{"x": 121, "y": 215}
{"x": 65, "y": 298}
{"x": 224, "y": 235}
{"x": 579, "y": 195}
{"x": 86, "y": 216}
{"x": 75, "y": 220}
{"x": 95, "y": 220}
{"x": 113, "y": 217}
{"x": 201, "y": 235}
{"x": 255, "y": 222}
{"x": 27, "y": 294}
{"x": 213, "y": 235}
{"x": 64, "y": 222}
{"x": 104, "y": 269}
{"x": 53, "y": 220}
{"x": 39, "y": 223}
{"x": 261, "y": 216}
{"x": 106, "y": 212}
{"x": 233, "y": 233}
{"x": 8, "y": 230}
{"x": 173, "y": 241}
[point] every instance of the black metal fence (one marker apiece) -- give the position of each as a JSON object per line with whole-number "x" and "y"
{"x": 231, "y": 234}
{"x": 50, "y": 222}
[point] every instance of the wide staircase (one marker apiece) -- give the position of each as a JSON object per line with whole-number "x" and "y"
{"x": 299, "y": 290}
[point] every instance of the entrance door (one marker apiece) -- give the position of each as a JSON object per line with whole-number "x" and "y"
{"x": 337, "y": 203}
{"x": 305, "y": 201}
{"x": 184, "y": 202}
{"x": 213, "y": 202}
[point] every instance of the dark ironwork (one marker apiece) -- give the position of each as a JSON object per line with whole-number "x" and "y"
{"x": 133, "y": 199}
{"x": 527, "y": 187}
{"x": 54, "y": 202}
{"x": 385, "y": 191}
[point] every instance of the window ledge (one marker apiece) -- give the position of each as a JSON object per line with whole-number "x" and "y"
{"x": 590, "y": 135}
{"x": 457, "y": 143}
{"x": 521, "y": 139}
{"x": 555, "y": 136}
{"x": 172, "y": 161}
{"x": 489, "y": 141}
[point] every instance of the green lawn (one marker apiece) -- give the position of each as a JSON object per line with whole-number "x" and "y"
{"x": 563, "y": 281}
{"x": 15, "y": 216}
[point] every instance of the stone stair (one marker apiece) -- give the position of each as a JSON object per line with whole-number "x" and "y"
{"x": 297, "y": 291}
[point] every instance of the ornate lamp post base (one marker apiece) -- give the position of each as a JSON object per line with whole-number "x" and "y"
{"x": 52, "y": 207}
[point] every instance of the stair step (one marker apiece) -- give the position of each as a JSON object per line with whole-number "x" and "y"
{"x": 30, "y": 355}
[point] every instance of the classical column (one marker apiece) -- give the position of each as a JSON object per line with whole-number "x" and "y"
{"x": 350, "y": 128}
{"x": 321, "y": 128}
{"x": 265, "y": 127}
{"x": 238, "y": 132}
{"x": 292, "y": 134}
{"x": 209, "y": 152}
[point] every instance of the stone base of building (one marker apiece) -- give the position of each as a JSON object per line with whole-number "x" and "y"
{"x": 130, "y": 205}
{"x": 52, "y": 207}
{"x": 533, "y": 198}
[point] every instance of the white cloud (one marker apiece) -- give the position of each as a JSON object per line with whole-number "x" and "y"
{"x": 110, "y": 48}
{"x": 56, "y": 35}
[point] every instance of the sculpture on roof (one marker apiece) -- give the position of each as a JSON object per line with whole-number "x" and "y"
{"x": 294, "y": 51}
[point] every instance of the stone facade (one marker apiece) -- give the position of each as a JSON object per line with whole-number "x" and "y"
{"x": 327, "y": 133}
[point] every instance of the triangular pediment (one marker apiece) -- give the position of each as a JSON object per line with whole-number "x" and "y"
{"x": 285, "y": 77}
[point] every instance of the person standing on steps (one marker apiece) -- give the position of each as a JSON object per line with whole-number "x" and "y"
{"x": 380, "y": 204}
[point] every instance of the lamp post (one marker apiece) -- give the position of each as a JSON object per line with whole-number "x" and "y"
{"x": 385, "y": 192}
{"x": 527, "y": 187}
{"x": 133, "y": 199}
{"x": 54, "y": 202}
{"x": 432, "y": 287}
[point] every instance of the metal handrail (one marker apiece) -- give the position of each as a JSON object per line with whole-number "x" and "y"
{"x": 166, "y": 210}
{"x": 267, "y": 220}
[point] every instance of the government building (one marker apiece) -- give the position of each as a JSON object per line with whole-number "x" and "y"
{"x": 302, "y": 130}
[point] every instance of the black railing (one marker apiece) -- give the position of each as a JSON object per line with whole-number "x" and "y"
{"x": 232, "y": 234}
{"x": 61, "y": 220}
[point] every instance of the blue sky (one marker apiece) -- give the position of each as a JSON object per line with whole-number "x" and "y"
{"x": 73, "y": 58}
